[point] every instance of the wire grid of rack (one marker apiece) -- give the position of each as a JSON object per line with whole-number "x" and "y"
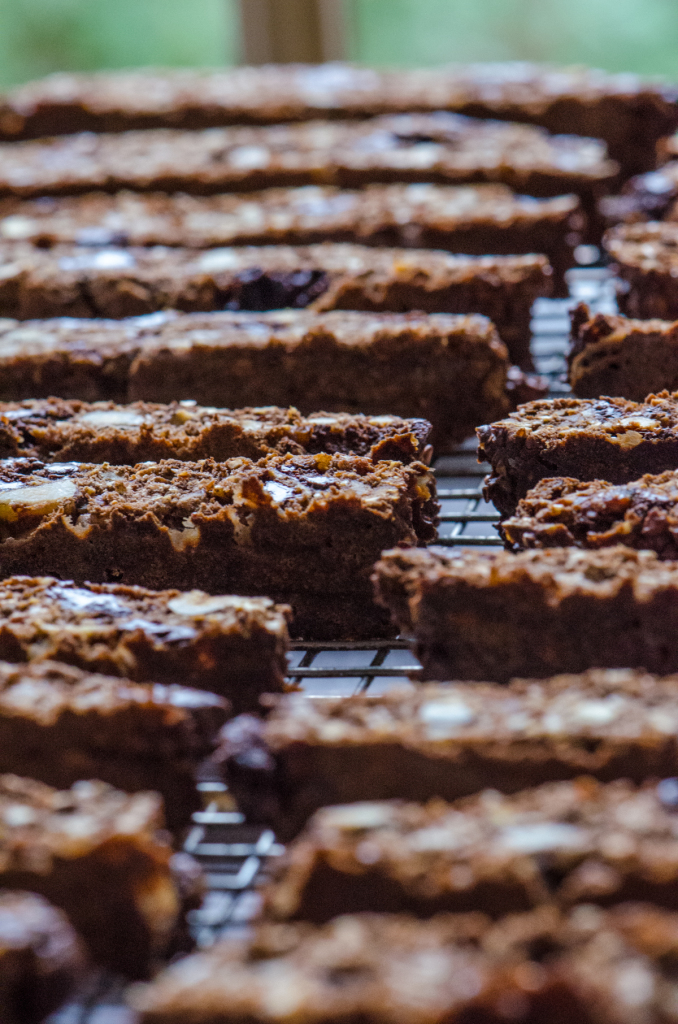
{"x": 234, "y": 854}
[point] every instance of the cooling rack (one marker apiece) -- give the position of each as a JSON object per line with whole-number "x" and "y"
{"x": 234, "y": 854}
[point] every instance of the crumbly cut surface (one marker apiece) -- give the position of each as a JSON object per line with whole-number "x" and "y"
{"x": 606, "y": 438}
{"x": 496, "y": 615}
{"x": 439, "y": 146}
{"x": 60, "y": 431}
{"x": 645, "y": 256}
{"x": 41, "y": 958}
{"x": 561, "y": 511}
{"x": 234, "y": 646}
{"x": 448, "y": 740}
{"x": 94, "y": 852}
{"x": 568, "y": 842}
{"x": 239, "y": 524}
{"x": 59, "y": 724}
{"x": 613, "y": 355}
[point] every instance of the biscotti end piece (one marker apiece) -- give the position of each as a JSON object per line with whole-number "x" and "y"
{"x": 272, "y": 526}
{"x": 56, "y": 430}
{"x": 612, "y": 355}
{"x": 560, "y": 512}
{"x": 447, "y": 740}
{"x": 95, "y": 853}
{"x": 559, "y": 842}
{"x": 389, "y": 364}
{"x": 41, "y": 958}
{"x": 645, "y": 258}
{"x": 59, "y": 724}
{"x": 495, "y": 615}
{"x": 589, "y": 439}
{"x": 229, "y": 645}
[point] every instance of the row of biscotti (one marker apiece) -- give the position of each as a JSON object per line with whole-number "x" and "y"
{"x": 453, "y": 370}
{"x": 101, "y": 857}
{"x": 301, "y": 529}
{"x": 438, "y": 147}
{"x": 74, "y": 281}
{"x": 630, "y": 114}
{"x": 590, "y": 473}
{"x": 589, "y": 965}
{"x": 475, "y": 219}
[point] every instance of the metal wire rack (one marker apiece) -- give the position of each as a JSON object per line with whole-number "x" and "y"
{"x": 234, "y": 854}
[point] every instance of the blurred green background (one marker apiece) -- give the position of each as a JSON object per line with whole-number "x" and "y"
{"x": 39, "y": 36}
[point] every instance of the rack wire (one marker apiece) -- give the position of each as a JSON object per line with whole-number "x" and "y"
{"x": 234, "y": 854}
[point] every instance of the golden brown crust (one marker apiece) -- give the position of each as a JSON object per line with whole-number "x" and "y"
{"x": 442, "y": 147}
{"x": 233, "y": 646}
{"x": 629, "y": 112}
{"x": 59, "y": 725}
{"x": 390, "y": 364}
{"x": 57, "y": 430}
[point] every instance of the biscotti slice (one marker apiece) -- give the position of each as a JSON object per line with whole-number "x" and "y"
{"x": 59, "y": 724}
{"x": 589, "y": 439}
{"x": 305, "y": 529}
{"x": 612, "y": 355}
{"x": 61, "y": 431}
{"x": 447, "y": 740}
{"x": 118, "y": 282}
{"x": 449, "y": 369}
{"x": 232, "y": 646}
{"x": 477, "y": 219}
{"x": 628, "y": 112}
{"x": 560, "y": 511}
{"x": 645, "y": 258}
{"x": 588, "y": 965}
{"x": 452, "y": 370}
{"x": 435, "y": 147}
{"x": 96, "y": 853}
{"x": 495, "y": 615}
{"x": 565, "y": 842}
{"x": 41, "y": 958}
